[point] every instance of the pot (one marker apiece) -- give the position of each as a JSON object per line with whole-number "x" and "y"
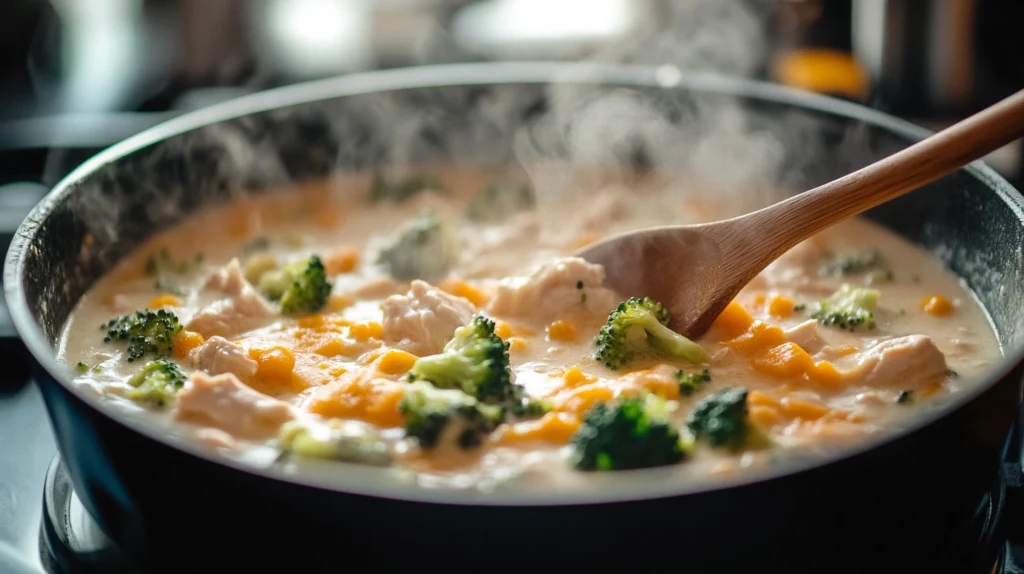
{"x": 909, "y": 501}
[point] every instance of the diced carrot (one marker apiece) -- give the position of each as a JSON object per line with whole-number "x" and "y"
{"x": 366, "y": 331}
{"x": 311, "y": 322}
{"x": 575, "y": 377}
{"x": 384, "y": 408}
{"x": 460, "y": 288}
{"x": 759, "y": 337}
{"x": 562, "y": 330}
{"x": 555, "y": 428}
{"x": 765, "y": 416}
{"x": 274, "y": 364}
{"x": 185, "y": 341}
{"x": 780, "y": 306}
{"x": 517, "y": 344}
{"x": 658, "y": 380}
{"x": 937, "y": 305}
{"x": 826, "y": 373}
{"x": 395, "y": 361}
{"x": 733, "y": 320}
{"x": 165, "y": 300}
{"x": 320, "y": 324}
{"x": 761, "y": 399}
{"x": 331, "y": 347}
{"x": 341, "y": 260}
{"x": 502, "y": 329}
{"x": 581, "y": 399}
{"x": 805, "y": 410}
{"x": 361, "y": 396}
{"x": 784, "y": 361}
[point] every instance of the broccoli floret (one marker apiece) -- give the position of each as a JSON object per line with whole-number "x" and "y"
{"x": 848, "y": 308}
{"x": 634, "y": 432}
{"x": 156, "y": 383}
{"x": 147, "y": 332}
{"x": 721, "y": 420}
{"x": 689, "y": 383}
{"x": 841, "y": 264}
{"x": 402, "y": 189}
{"x": 432, "y": 414}
{"x": 259, "y": 264}
{"x": 475, "y": 361}
{"x": 529, "y": 408}
{"x": 423, "y": 249}
{"x": 334, "y": 440}
{"x": 498, "y": 201}
{"x": 301, "y": 286}
{"x": 161, "y": 265}
{"x": 641, "y": 324}
{"x": 162, "y": 262}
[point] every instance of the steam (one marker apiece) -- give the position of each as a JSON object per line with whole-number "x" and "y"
{"x": 697, "y": 142}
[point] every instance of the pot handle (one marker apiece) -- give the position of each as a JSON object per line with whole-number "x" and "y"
{"x": 16, "y": 200}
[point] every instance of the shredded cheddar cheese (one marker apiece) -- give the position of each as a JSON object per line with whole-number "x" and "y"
{"x": 562, "y": 330}
{"x": 165, "y": 300}
{"x": 937, "y": 305}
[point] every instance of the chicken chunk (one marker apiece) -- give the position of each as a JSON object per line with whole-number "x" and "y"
{"x": 241, "y": 309}
{"x": 218, "y": 356}
{"x": 805, "y": 335}
{"x": 553, "y": 289}
{"x": 423, "y": 320}
{"x": 225, "y": 403}
{"x": 904, "y": 362}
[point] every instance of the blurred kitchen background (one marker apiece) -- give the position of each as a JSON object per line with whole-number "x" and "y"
{"x": 78, "y": 75}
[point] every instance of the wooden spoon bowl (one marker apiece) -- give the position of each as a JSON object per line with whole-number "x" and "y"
{"x": 696, "y": 270}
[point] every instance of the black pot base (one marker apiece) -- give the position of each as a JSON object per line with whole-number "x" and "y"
{"x": 72, "y": 543}
{"x": 69, "y": 539}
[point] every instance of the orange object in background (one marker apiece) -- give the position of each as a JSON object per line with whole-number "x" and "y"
{"x": 824, "y": 71}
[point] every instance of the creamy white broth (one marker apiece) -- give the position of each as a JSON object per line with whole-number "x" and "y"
{"x": 552, "y": 361}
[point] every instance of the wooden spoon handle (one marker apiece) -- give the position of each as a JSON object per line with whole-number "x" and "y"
{"x": 783, "y": 225}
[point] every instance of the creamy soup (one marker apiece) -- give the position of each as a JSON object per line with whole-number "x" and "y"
{"x": 441, "y": 326}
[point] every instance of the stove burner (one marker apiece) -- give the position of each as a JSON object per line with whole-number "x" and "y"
{"x": 72, "y": 542}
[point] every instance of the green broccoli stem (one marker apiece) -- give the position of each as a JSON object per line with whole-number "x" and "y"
{"x": 669, "y": 343}
{"x": 448, "y": 371}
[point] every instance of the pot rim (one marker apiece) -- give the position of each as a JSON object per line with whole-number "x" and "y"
{"x": 642, "y": 484}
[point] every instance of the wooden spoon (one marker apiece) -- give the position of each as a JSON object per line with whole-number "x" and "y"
{"x": 696, "y": 270}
